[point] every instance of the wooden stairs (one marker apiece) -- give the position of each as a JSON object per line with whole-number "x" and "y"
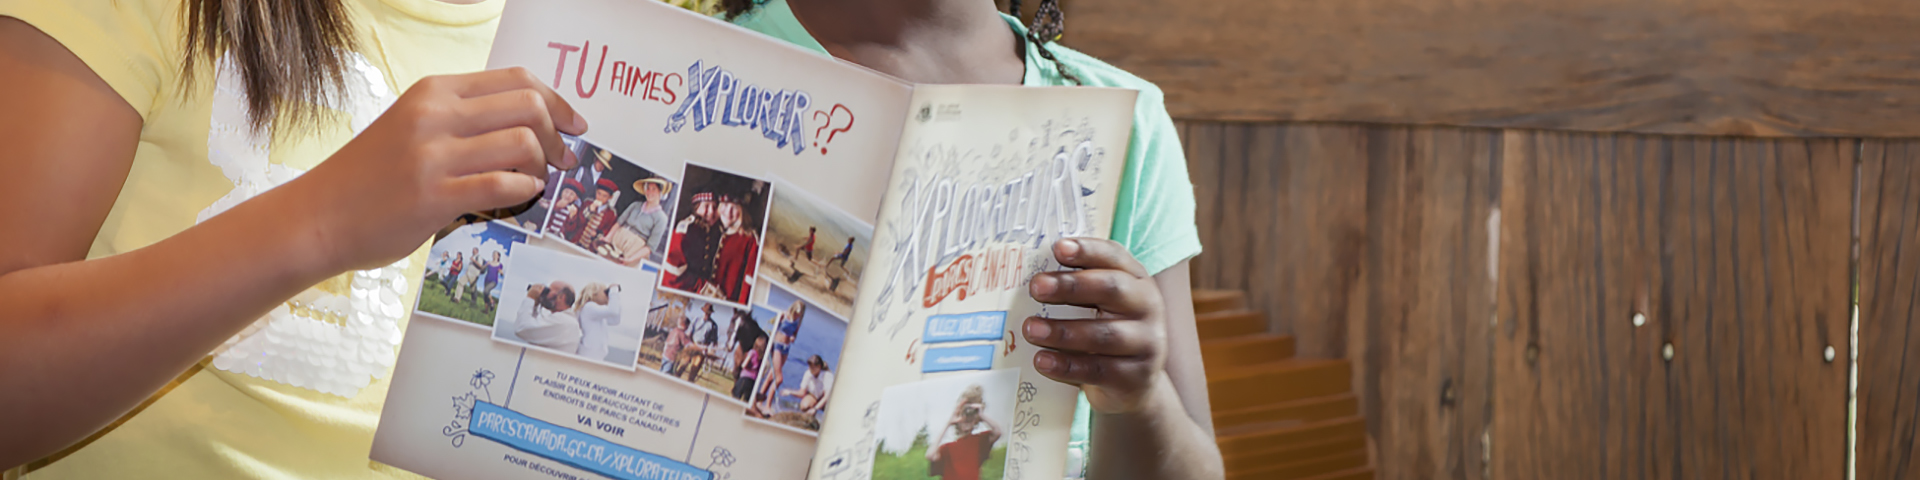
{"x": 1275, "y": 416}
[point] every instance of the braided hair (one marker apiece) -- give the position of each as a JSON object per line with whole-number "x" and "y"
{"x": 1049, "y": 23}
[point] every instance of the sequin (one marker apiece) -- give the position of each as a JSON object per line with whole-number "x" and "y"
{"x": 334, "y": 338}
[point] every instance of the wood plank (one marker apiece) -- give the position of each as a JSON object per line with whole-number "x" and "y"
{"x": 1209, "y": 301}
{"x": 1291, "y": 236}
{"x": 1286, "y": 413}
{"x": 1735, "y": 252}
{"x": 1267, "y": 384}
{"x": 1305, "y": 468}
{"x": 1421, "y": 350}
{"x": 1713, "y": 67}
{"x": 1222, "y": 325}
{"x": 1284, "y": 454}
{"x": 1320, "y": 233}
{"x": 1235, "y": 443}
{"x": 1363, "y": 473}
{"x": 1245, "y": 350}
{"x": 1889, "y": 409}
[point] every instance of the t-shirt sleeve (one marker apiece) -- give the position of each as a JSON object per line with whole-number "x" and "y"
{"x": 134, "y": 45}
{"x": 1154, "y": 216}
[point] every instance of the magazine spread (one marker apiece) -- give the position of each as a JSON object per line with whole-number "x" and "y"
{"x": 769, "y": 264}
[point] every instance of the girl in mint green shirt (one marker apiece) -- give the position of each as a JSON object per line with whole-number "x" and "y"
{"x": 1145, "y": 399}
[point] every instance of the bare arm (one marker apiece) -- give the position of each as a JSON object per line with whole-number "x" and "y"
{"x": 1138, "y": 362}
{"x": 71, "y": 142}
{"x": 83, "y": 341}
{"x": 1173, "y": 436}
{"x": 1184, "y": 367}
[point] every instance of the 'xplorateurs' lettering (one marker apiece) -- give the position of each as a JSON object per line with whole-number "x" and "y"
{"x": 948, "y": 219}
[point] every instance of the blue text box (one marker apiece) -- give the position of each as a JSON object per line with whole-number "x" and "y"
{"x": 949, "y": 359}
{"x": 960, "y": 327}
{"x": 573, "y": 447}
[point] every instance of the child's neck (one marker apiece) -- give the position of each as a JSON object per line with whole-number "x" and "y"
{"x": 922, "y": 41}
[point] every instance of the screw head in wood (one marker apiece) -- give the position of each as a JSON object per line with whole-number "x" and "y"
{"x": 1666, "y": 352}
{"x": 1639, "y": 319}
{"x": 1829, "y": 354}
{"x": 1533, "y": 353}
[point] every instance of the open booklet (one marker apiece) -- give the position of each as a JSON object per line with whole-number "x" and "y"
{"x": 770, "y": 264}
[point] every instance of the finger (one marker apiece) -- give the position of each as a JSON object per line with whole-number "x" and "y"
{"x": 1096, "y": 253}
{"x": 494, "y": 189}
{"x": 1110, "y": 291}
{"x": 1125, "y": 374}
{"x": 514, "y": 149}
{"x": 1098, "y": 337}
{"x": 481, "y": 84}
{"x": 518, "y": 108}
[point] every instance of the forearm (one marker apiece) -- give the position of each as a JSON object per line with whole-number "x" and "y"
{"x": 85, "y": 341}
{"x": 1160, "y": 441}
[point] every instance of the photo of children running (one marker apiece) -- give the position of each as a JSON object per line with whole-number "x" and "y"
{"x": 799, "y": 231}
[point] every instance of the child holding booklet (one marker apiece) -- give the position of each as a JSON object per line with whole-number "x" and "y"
{"x": 183, "y": 113}
{"x": 1145, "y": 388}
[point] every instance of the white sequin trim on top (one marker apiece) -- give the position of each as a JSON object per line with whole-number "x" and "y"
{"x": 321, "y": 341}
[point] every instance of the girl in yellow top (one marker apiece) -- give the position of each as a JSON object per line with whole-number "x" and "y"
{"x": 167, "y": 199}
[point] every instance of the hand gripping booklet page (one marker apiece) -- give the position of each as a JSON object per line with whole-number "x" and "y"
{"x": 769, "y": 264}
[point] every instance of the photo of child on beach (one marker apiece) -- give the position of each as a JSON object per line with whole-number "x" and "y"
{"x": 714, "y": 249}
{"x": 816, "y": 249}
{"x": 610, "y": 206}
{"x": 795, "y": 382}
{"x": 952, "y": 427}
{"x": 465, "y": 268}
{"x": 700, "y": 342}
{"x": 573, "y": 305}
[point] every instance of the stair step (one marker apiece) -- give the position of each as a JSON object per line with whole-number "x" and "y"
{"x": 1237, "y": 441}
{"x": 1304, "y": 468}
{"x": 1209, "y": 301}
{"x": 1284, "y": 381}
{"x": 1284, "y": 454}
{"x": 1232, "y": 323}
{"x": 1245, "y": 350}
{"x": 1362, "y": 473}
{"x": 1298, "y": 411}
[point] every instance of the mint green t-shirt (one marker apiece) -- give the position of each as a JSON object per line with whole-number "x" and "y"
{"x": 1154, "y": 215}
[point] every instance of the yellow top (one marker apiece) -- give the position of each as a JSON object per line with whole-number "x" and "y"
{"x": 195, "y": 158}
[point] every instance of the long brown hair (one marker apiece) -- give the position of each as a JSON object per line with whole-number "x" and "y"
{"x": 292, "y": 55}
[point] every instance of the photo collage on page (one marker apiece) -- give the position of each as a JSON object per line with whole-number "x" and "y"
{"x": 716, "y": 280}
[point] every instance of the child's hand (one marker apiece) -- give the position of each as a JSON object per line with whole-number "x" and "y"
{"x": 1119, "y": 357}
{"x": 449, "y": 145}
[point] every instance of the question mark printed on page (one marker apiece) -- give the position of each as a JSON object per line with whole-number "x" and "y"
{"x": 833, "y": 118}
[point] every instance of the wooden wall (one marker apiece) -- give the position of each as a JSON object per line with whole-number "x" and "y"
{"x": 1486, "y": 283}
{"x": 1712, "y": 67}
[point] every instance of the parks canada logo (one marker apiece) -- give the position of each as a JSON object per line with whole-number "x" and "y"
{"x": 926, "y": 113}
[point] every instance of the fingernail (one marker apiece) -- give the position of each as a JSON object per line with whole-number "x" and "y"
{"x": 540, "y": 183}
{"x": 1037, "y": 328}
{"x": 1044, "y": 285}
{"x": 1045, "y": 361}
{"x": 579, "y": 122}
{"x": 1068, "y": 249}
